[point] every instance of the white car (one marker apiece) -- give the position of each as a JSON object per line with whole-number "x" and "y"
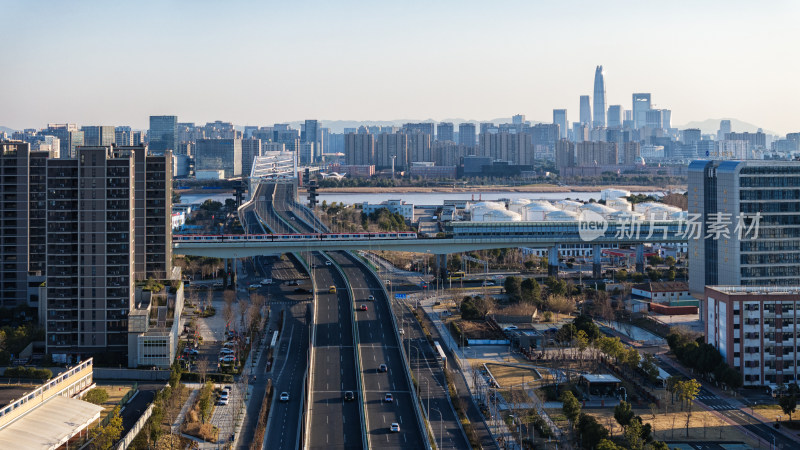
{"x": 371, "y": 298}
{"x": 510, "y": 328}
{"x": 254, "y": 286}
{"x": 395, "y": 428}
{"x": 266, "y": 281}
{"x": 226, "y": 351}
{"x": 227, "y": 359}
{"x": 402, "y": 331}
{"x": 488, "y": 283}
{"x": 284, "y": 396}
{"x": 328, "y": 263}
{"x": 222, "y": 401}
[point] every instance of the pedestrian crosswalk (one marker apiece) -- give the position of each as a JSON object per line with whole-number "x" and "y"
{"x": 715, "y": 403}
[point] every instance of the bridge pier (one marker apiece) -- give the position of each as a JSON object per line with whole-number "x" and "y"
{"x": 552, "y": 261}
{"x": 640, "y": 258}
{"x": 597, "y": 262}
{"x": 441, "y": 266}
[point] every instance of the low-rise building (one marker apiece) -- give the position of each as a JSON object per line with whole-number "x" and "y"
{"x": 754, "y": 328}
{"x": 662, "y": 292}
{"x": 154, "y": 327}
{"x": 396, "y": 206}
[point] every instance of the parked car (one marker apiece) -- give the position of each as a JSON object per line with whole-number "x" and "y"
{"x": 402, "y": 331}
{"x": 253, "y": 287}
{"x": 284, "y": 396}
{"x": 266, "y": 281}
{"x": 328, "y": 263}
{"x": 226, "y": 351}
{"x": 348, "y": 396}
{"x": 222, "y": 401}
{"x": 190, "y": 351}
{"x": 227, "y": 359}
{"x": 217, "y": 284}
{"x": 510, "y": 328}
{"x": 488, "y": 283}
{"x": 388, "y": 398}
{"x": 395, "y": 428}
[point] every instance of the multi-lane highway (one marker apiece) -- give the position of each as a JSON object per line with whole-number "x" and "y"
{"x": 378, "y": 344}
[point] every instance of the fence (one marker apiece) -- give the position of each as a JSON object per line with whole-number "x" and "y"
{"x": 137, "y": 427}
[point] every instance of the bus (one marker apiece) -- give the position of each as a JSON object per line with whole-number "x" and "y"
{"x": 440, "y": 352}
{"x": 456, "y": 276}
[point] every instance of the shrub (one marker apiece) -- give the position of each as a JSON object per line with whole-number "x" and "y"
{"x": 28, "y": 372}
{"x": 98, "y": 396}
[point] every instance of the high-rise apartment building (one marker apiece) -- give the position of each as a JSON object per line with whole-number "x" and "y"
{"x": 305, "y": 153}
{"x": 108, "y": 224}
{"x": 389, "y": 146}
{"x": 615, "y": 116}
{"x": 22, "y": 236}
{"x": 444, "y": 131}
{"x": 312, "y": 133}
{"x": 420, "y": 147}
{"x": 560, "y": 119}
{"x": 250, "y": 149}
{"x": 599, "y": 111}
{"x": 163, "y": 134}
{"x": 423, "y": 127}
{"x": 630, "y": 153}
{"x": 724, "y": 129}
{"x": 123, "y": 136}
{"x": 595, "y": 154}
{"x": 466, "y": 135}
{"x": 565, "y": 154}
{"x": 759, "y": 198}
{"x": 586, "y": 110}
{"x": 219, "y": 154}
{"x": 691, "y": 136}
{"x": 98, "y": 135}
{"x": 641, "y": 104}
{"x": 359, "y": 149}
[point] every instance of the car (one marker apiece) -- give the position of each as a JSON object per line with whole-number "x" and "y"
{"x": 348, "y": 396}
{"x": 227, "y": 359}
{"x": 332, "y": 289}
{"x": 510, "y": 328}
{"x": 388, "y": 398}
{"x": 292, "y": 283}
{"x": 487, "y": 283}
{"x": 222, "y": 401}
{"x": 266, "y": 281}
{"x": 284, "y": 396}
{"x": 401, "y": 331}
{"x": 371, "y": 298}
{"x": 223, "y": 395}
{"x": 229, "y": 344}
{"x": 227, "y": 389}
{"x": 217, "y": 284}
{"x": 382, "y": 368}
{"x": 395, "y": 428}
{"x": 226, "y": 351}
{"x": 328, "y": 263}
{"x": 254, "y": 286}
{"x": 190, "y": 351}
{"x": 363, "y": 307}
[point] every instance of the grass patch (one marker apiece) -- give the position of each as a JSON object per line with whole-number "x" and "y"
{"x": 512, "y": 376}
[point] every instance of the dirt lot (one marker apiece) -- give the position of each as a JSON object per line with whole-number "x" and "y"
{"x": 510, "y": 376}
{"x": 115, "y": 394}
{"x": 478, "y": 330}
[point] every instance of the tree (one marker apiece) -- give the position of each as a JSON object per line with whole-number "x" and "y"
{"x": 623, "y": 414}
{"x": 103, "y": 437}
{"x": 531, "y": 291}
{"x": 659, "y": 445}
{"x": 585, "y": 323}
{"x": 98, "y": 396}
{"x": 570, "y": 406}
{"x": 605, "y": 444}
{"x": 202, "y": 369}
{"x": 566, "y": 333}
{"x": 687, "y": 392}
{"x": 788, "y": 404}
{"x": 512, "y": 286}
{"x": 649, "y": 367}
{"x": 560, "y": 304}
{"x": 633, "y": 434}
{"x": 590, "y": 431}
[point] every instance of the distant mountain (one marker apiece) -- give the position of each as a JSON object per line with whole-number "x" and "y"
{"x": 711, "y": 126}
{"x": 7, "y": 130}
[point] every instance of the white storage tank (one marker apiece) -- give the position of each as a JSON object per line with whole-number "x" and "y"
{"x": 619, "y": 204}
{"x": 561, "y": 215}
{"x": 611, "y": 194}
{"x": 537, "y": 209}
{"x": 478, "y": 210}
{"x": 568, "y": 205}
{"x": 501, "y": 215}
{"x": 518, "y": 204}
{"x": 597, "y": 208}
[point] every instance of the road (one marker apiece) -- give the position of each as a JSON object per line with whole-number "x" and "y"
{"x": 378, "y": 345}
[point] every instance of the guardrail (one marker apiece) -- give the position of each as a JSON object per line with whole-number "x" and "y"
{"x": 312, "y": 337}
{"x": 406, "y": 365}
{"x": 357, "y": 352}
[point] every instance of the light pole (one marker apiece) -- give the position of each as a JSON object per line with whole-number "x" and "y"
{"x": 441, "y": 430}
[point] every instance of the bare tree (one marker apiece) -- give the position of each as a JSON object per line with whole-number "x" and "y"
{"x": 209, "y": 299}
{"x": 227, "y": 313}
{"x": 257, "y": 299}
{"x": 202, "y": 369}
{"x": 229, "y": 296}
{"x": 560, "y": 304}
{"x": 243, "y": 304}
{"x": 253, "y": 316}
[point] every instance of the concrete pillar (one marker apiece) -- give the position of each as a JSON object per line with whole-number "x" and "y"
{"x": 552, "y": 263}
{"x": 640, "y": 258}
{"x": 597, "y": 266}
{"x": 441, "y": 266}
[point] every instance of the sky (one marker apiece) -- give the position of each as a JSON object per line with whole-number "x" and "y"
{"x": 262, "y": 62}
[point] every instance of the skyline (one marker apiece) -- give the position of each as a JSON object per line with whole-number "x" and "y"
{"x": 346, "y": 62}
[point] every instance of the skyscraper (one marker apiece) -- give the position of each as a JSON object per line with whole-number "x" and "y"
{"x": 220, "y": 154}
{"x": 599, "y": 98}
{"x": 641, "y": 104}
{"x": 614, "y": 116}
{"x": 163, "y": 134}
{"x": 388, "y": 145}
{"x": 98, "y": 135}
{"x": 250, "y": 149}
{"x": 123, "y": 136}
{"x": 444, "y": 131}
{"x": 423, "y": 127}
{"x": 313, "y": 134}
{"x": 724, "y": 129}
{"x": 586, "y": 110}
{"x": 69, "y": 136}
{"x": 560, "y": 119}
{"x": 467, "y": 135}
{"x": 359, "y": 148}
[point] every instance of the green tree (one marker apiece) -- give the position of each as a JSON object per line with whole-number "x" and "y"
{"x": 633, "y": 434}
{"x": 104, "y": 437}
{"x": 649, "y": 366}
{"x": 659, "y": 445}
{"x": 687, "y": 392}
{"x": 566, "y": 333}
{"x": 512, "y": 286}
{"x": 590, "y": 431}
{"x": 605, "y": 444}
{"x": 98, "y": 396}
{"x": 788, "y": 404}
{"x": 585, "y": 323}
{"x": 623, "y": 414}
{"x": 570, "y": 406}
{"x": 531, "y": 291}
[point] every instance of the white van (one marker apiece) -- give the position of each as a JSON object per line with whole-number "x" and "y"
{"x": 266, "y": 281}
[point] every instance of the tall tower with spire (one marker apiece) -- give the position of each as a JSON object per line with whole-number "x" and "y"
{"x": 599, "y": 98}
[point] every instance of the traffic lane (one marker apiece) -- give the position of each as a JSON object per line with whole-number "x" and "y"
{"x": 372, "y": 356}
{"x": 383, "y": 414}
{"x": 284, "y": 426}
{"x": 335, "y": 423}
{"x": 134, "y": 409}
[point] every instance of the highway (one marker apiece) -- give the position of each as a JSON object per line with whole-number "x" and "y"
{"x": 334, "y": 422}
{"x": 378, "y": 345}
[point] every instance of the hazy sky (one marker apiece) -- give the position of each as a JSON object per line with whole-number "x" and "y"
{"x": 259, "y": 62}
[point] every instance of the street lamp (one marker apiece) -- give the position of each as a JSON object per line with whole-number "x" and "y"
{"x": 441, "y": 431}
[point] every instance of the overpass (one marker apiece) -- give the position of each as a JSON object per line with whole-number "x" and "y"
{"x": 459, "y": 237}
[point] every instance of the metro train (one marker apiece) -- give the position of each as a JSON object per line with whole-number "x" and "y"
{"x": 292, "y": 237}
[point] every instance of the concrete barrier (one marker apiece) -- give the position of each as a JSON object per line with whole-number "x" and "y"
{"x": 130, "y": 374}
{"x": 137, "y": 427}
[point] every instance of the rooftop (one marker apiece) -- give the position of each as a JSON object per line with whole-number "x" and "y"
{"x": 50, "y": 425}
{"x": 600, "y": 378}
{"x": 663, "y": 286}
{"x": 756, "y": 290}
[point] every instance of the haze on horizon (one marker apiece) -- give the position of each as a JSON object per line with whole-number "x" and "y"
{"x": 258, "y": 63}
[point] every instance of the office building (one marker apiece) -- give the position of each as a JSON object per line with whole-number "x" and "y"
{"x": 444, "y": 131}
{"x": 728, "y": 195}
{"x": 615, "y": 116}
{"x": 98, "y": 135}
{"x": 420, "y": 147}
{"x": 754, "y": 328}
{"x": 426, "y": 128}
{"x": 599, "y": 111}
{"x": 641, "y": 104}
{"x": 123, "y": 136}
{"x": 313, "y": 134}
{"x": 359, "y": 149}
{"x": 691, "y": 136}
{"x": 466, "y": 135}
{"x": 22, "y": 236}
{"x": 219, "y": 154}
{"x": 560, "y": 119}
{"x": 590, "y": 153}
{"x": 580, "y": 132}
{"x": 163, "y": 134}
{"x": 757, "y": 140}
{"x": 50, "y": 144}
{"x": 69, "y": 137}
{"x": 565, "y": 154}
{"x": 586, "y": 111}
{"x": 251, "y": 148}
{"x": 107, "y": 215}
{"x": 653, "y": 119}
{"x": 305, "y": 153}
{"x": 630, "y": 153}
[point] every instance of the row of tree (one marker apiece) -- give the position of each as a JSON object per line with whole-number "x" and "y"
{"x": 704, "y": 358}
